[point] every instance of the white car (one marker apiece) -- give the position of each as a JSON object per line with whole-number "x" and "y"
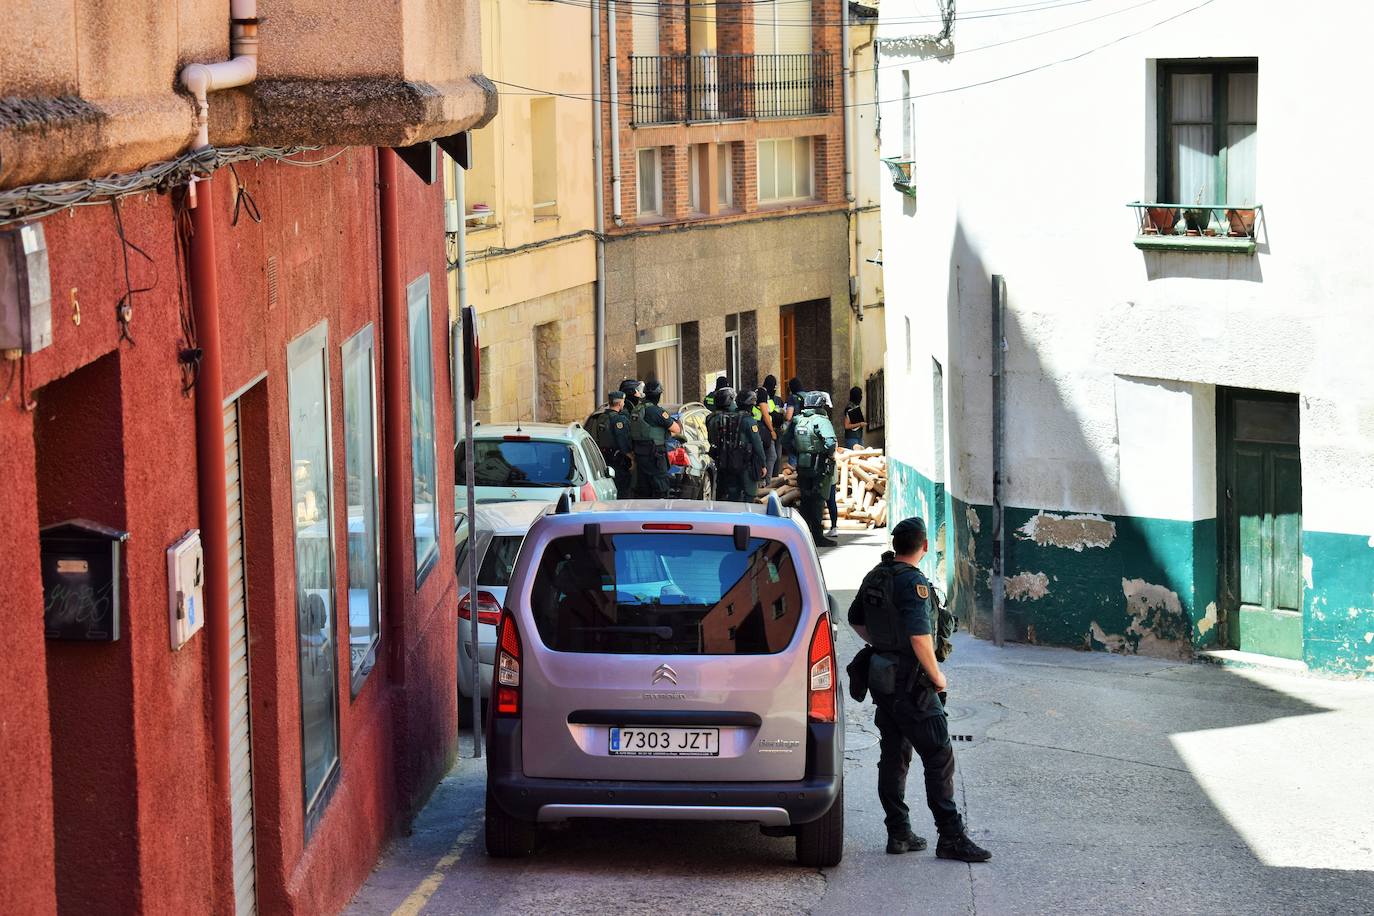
{"x": 501, "y": 528}
{"x": 536, "y": 461}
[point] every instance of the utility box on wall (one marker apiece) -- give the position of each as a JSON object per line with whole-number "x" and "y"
{"x": 79, "y": 560}
{"x": 25, "y": 290}
{"x": 185, "y": 588}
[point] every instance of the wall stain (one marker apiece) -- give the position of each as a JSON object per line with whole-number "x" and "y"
{"x": 1027, "y": 586}
{"x": 1209, "y": 620}
{"x": 1159, "y": 626}
{"x": 1073, "y": 532}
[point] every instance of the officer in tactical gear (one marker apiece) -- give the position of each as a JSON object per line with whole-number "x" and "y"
{"x": 712, "y": 400}
{"x": 633, "y": 389}
{"x": 811, "y": 437}
{"x": 893, "y": 613}
{"x": 736, "y": 448}
{"x": 650, "y": 427}
{"x": 610, "y": 427}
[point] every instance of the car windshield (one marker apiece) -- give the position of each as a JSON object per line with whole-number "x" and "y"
{"x": 499, "y": 561}
{"x": 666, "y": 594}
{"x": 517, "y": 463}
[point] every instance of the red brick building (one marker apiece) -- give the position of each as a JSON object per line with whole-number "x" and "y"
{"x": 259, "y": 364}
{"x": 725, "y": 208}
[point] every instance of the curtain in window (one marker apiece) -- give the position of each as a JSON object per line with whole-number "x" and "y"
{"x": 1242, "y": 139}
{"x": 1194, "y": 160}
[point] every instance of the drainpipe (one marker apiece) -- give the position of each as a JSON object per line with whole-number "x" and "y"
{"x": 615, "y": 114}
{"x": 852, "y": 177}
{"x": 599, "y": 361}
{"x": 239, "y": 70}
{"x": 201, "y": 79}
{"x": 395, "y": 333}
{"x": 999, "y": 399}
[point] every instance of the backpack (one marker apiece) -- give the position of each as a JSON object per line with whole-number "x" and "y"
{"x": 814, "y": 441}
{"x": 726, "y": 436}
{"x": 598, "y": 426}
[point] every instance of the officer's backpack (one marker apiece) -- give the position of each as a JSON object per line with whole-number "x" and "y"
{"x": 728, "y": 447}
{"x": 598, "y": 426}
{"x": 814, "y": 439}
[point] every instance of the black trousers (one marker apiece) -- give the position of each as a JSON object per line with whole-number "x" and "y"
{"x": 901, "y": 730}
{"x": 812, "y": 504}
{"x": 651, "y": 473}
{"x": 624, "y": 475}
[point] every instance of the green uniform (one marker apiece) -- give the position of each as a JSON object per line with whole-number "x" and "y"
{"x": 812, "y": 436}
{"x": 649, "y": 433}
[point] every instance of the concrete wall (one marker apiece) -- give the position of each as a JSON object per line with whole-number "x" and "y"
{"x": 1114, "y": 354}
{"x": 705, "y": 274}
{"x": 99, "y": 105}
{"x": 109, "y": 419}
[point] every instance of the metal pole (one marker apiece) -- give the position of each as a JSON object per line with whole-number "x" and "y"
{"x": 999, "y": 394}
{"x": 460, "y": 190}
{"x": 598, "y": 169}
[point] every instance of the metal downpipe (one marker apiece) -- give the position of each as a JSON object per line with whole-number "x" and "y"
{"x": 598, "y": 166}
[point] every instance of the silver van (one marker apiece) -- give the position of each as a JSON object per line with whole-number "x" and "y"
{"x": 667, "y": 660}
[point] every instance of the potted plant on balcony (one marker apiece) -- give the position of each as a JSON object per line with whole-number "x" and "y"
{"x": 1242, "y": 221}
{"x": 1197, "y": 218}
{"x": 1160, "y": 220}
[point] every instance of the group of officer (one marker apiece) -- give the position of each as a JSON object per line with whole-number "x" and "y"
{"x": 634, "y": 439}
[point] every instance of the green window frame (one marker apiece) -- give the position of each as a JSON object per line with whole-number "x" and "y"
{"x": 1221, "y": 124}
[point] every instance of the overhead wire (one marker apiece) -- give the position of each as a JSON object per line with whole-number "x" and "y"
{"x": 653, "y": 10}
{"x": 627, "y": 98}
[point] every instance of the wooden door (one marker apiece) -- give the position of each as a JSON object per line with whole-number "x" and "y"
{"x": 1262, "y": 499}
{"x": 787, "y": 347}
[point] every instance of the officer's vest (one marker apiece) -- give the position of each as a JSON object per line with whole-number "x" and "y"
{"x": 598, "y": 425}
{"x": 728, "y": 446}
{"x": 641, "y": 430}
{"x": 880, "y": 615}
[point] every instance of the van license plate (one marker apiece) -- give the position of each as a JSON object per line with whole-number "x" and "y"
{"x": 641, "y": 741}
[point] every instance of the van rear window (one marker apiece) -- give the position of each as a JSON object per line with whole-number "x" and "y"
{"x": 666, "y": 594}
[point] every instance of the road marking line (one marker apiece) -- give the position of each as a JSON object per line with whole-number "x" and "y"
{"x": 426, "y": 889}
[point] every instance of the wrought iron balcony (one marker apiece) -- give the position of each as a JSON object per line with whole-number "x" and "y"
{"x": 670, "y": 89}
{"x": 1193, "y": 227}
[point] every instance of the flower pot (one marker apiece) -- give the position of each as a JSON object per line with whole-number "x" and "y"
{"x": 1196, "y": 220}
{"x": 1242, "y": 222}
{"x": 1161, "y": 219}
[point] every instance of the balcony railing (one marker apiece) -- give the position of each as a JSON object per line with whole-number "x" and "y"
{"x": 1207, "y": 227}
{"x": 670, "y": 89}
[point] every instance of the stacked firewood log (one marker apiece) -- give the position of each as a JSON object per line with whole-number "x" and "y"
{"x": 860, "y": 488}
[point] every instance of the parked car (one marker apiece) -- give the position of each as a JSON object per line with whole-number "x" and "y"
{"x": 538, "y": 461}
{"x": 667, "y": 661}
{"x": 697, "y": 478}
{"x": 501, "y": 528}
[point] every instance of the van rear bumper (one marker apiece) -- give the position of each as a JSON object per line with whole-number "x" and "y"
{"x": 769, "y": 803}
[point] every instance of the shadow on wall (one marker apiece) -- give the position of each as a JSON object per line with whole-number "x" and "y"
{"x": 1101, "y": 582}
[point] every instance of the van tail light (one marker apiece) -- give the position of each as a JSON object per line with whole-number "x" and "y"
{"x": 507, "y": 674}
{"x": 488, "y": 608}
{"x": 820, "y": 693}
{"x": 587, "y": 493}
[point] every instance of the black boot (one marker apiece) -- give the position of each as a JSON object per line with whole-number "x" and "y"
{"x": 959, "y": 847}
{"x": 896, "y": 845}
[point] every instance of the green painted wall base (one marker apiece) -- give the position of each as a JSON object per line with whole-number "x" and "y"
{"x": 1127, "y": 584}
{"x": 1278, "y": 632}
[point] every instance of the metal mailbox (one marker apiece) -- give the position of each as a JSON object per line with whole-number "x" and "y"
{"x": 80, "y": 565}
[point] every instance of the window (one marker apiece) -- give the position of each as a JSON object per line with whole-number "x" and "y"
{"x": 658, "y": 359}
{"x": 596, "y": 464}
{"x": 360, "y": 495}
{"x": 907, "y": 328}
{"x": 732, "y": 350}
{"x": 650, "y": 182}
{"x": 908, "y": 117}
{"x": 666, "y": 594}
{"x": 308, "y": 402}
{"x": 785, "y": 169}
{"x": 725, "y": 178}
{"x": 544, "y": 147}
{"x": 1208, "y": 132}
{"x": 425, "y": 479}
{"x": 694, "y": 173}
{"x": 499, "y": 561}
{"x": 480, "y": 204}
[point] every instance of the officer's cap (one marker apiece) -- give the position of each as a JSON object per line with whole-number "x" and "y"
{"x": 913, "y": 528}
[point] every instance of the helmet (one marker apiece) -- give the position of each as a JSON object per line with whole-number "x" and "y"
{"x": 747, "y": 398}
{"x": 633, "y": 388}
{"x": 816, "y": 399}
{"x": 653, "y": 391}
{"x": 725, "y": 398}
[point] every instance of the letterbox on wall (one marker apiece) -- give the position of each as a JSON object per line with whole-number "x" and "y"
{"x": 80, "y": 565}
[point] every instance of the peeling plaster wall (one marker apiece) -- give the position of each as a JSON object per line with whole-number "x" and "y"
{"x": 1113, "y": 355}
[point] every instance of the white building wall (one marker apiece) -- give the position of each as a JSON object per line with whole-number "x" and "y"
{"x": 1029, "y": 176}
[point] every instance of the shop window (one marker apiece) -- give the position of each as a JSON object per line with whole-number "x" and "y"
{"x": 360, "y": 495}
{"x": 424, "y": 477}
{"x": 308, "y": 402}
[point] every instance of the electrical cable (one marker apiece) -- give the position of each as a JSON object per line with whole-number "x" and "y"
{"x": 124, "y": 308}
{"x": 625, "y": 99}
{"x": 669, "y": 13}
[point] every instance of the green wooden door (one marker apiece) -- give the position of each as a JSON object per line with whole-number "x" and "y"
{"x": 1264, "y": 514}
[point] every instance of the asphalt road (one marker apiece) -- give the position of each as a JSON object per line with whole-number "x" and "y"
{"x": 1101, "y": 783}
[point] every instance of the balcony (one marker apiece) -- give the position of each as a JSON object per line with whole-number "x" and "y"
{"x": 678, "y": 88}
{"x": 1196, "y": 227}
